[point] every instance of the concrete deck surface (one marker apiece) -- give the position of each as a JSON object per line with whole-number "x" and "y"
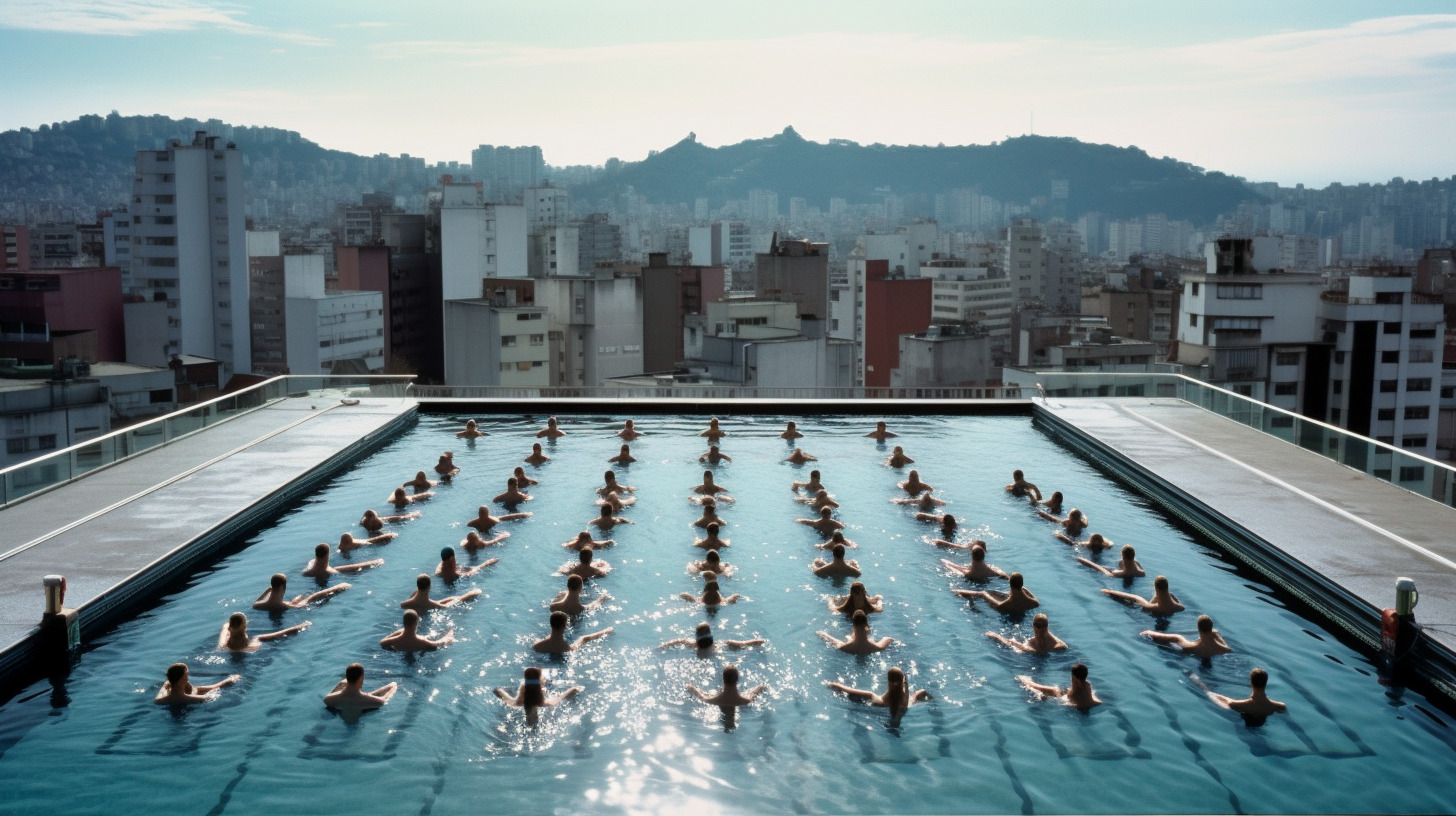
{"x": 104, "y": 529}
{"x": 1358, "y": 531}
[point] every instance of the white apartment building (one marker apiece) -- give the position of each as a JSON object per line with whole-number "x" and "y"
{"x": 966, "y": 294}
{"x": 116, "y": 238}
{"x": 188, "y": 249}
{"x": 489, "y": 342}
{"x": 478, "y": 241}
{"x": 595, "y": 327}
{"x": 329, "y": 332}
{"x": 1025, "y": 264}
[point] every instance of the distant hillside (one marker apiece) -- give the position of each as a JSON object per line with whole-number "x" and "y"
{"x": 1117, "y": 181}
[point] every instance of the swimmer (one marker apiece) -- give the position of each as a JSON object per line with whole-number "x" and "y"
{"x": 799, "y": 457}
{"x": 1020, "y": 487}
{"x": 1072, "y": 525}
{"x": 373, "y": 522}
{"x": 1095, "y": 542}
{"x": 421, "y": 601}
{"x": 710, "y": 515}
{"x": 1257, "y": 705}
{"x": 348, "y": 543}
{"x": 470, "y": 432}
{"x": 550, "y": 431}
{"x": 711, "y": 595}
{"x": 446, "y": 466}
{"x": 1208, "y": 644}
{"x": 615, "y": 501}
{"x": 858, "y": 600}
{"x": 473, "y": 541}
{"x": 859, "y": 642}
{"x": 583, "y": 540}
{"x": 836, "y": 539}
{"x": 235, "y": 638}
{"x": 273, "y": 599}
{"x": 925, "y": 502}
{"x": 836, "y": 567}
{"x": 730, "y": 698}
{"x": 483, "y": 520}
{"x": 1016, "y": 599}
{"x": 1163, "y": 603}
{"x": 1127, "y": 568}
{"x": 624, "y": 457}
{"x": 569, "y": 599}
{"x": 320, "y": 568}
{"x": 712, "y": 562}
{"x": 818, "y": 501}
{"x": 897, "y": 697}
{"x": 450, "y": 570}
{"x": 178, "y": 690}
{"x": 791, "y": 432}
{"x": 556, "y": 642}
{"x": 948, "y": 526}
{"x": 714, "y": 456}
{"x": 629, "y": 432}
{"x": 881, "y": 433}
{"x": 898, "y": 459}
{"x": 522, "y": 480}
{"x": 407, "y": 638}
{"x": 711, "y": 541}
{"x": 1079, "y": 693}
{"x": 978, "y": 569}
{"x": 586, "y": 566}
{"x": 1053, "y": 505}
{"x": 532, "y": 696}
{"x": 947, "y": 529}
{"x": 826, "y": 524}
{"x": 606, "y": 520}
{"x": 913, "y": 485}
{"x": 513, "y": 495}
{"x": 1041, "y": 641}
{"x": 537, "y": 457}
{"x": 420, "y": 482}
{"x": 703, "y": 641}
{"x": 811, "y": 486}
{"x": 713, "y": 433}
{"x": 612, "y": 485}
{"x": 350, "y": 697}
{"x": 710, "y": 489}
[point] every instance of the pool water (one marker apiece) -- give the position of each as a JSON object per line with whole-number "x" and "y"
{"x": 635, "y": 741}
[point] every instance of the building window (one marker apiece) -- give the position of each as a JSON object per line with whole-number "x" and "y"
{"x": 1390, "y": 356}
{"x": 538, "y": 339}
{"x": 14, "y": 446}
{"x": 1418, "y": 412}
{"x": 1192, "y": 319}
{"x": 1194, "y": 291}
{"x": 1286, "y": 358}
{"x": 508, "y": 340}
{"x": 1239, "y": 291}
{"x": 1423, "y": 332}
{"x": 1413, "y": 441}
{"x": 1337, "y": 386}
{"x": 46, "y": 442}
{"x": 1385, "y": 415}
{"x": 1391, "y": 328}
{"x": 1413, "y": 473}
{"x": 1389, "y": 386}
{"x": 1335, "y": 416}
{"x": 1339, "y": 358}
{"x": 1448, "y": 392}
{"x": 1286, "y": 389}
{"x": 1418, "y": 384}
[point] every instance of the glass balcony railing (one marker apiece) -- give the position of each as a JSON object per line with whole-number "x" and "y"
{"x": 42, "y": 473}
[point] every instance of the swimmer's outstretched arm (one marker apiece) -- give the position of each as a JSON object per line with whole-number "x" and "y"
{"x": 584, "y": 639}
{"x": 836, "y": 642}
{"x": 1104, "y": 570}
{"x": 854, "y": 693}
{"x": 362, "y": 565}
{"x": 1044, "y": 690}
{"x": 281, "y": 633}
{"x": 1127, "y": 597}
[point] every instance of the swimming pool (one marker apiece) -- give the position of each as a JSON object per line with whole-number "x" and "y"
{"x": 634, "y": 741}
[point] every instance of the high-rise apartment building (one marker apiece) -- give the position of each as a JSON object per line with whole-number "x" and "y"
{"x": 506, "y": 172}
{"x": 190, "y": 249}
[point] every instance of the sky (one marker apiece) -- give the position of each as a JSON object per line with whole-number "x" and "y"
{"x": 1289, "y": 91}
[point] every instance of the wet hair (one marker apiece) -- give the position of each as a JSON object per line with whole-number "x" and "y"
{"x": 838, "y": 550}
{"x": 792, "y": 424}
{"x": 710, "y": 586}
{"x": 978, "y": 553}
{"x": 826, "y": 511}
{"x": 703, "y": 636}
{"x": 411, "y": 616}
{"x": 710, "y": 577}
{"x": 584, "y": 555}
{"x": 558, "y": 620}
{"x": 573, "y": 582}
{"x": 1056, "y": 497}
{"x": 837, "y": 537}
{"x": 709, "y": 506}
{"x": 511, "y": 482}
{"x": 813, "y": 475}
{"x": 859, "y": 618}
{"x": 399, "y": 493}
{"x": 947, "y": 522}
{"x": 532, "y": 694}
{"x": 279, "y": 580}
{"x": 1258, "y": 678}
{"x": 712, "y": 557}
{"x": 237, "y": 620}
{"x": 1161, "y": 582}
{"x": 1017, "y": 475}
{"x": 1040, "y": 621}
{"x": 1079, "y": 671}
{"x": 321, "y": 550}
{"x": 857, "y": 586}
{"x": 1205, "y": 624}
{"x": 1074, "y": 513}
{"x": 1095, "y": 539}
{"x": 354, "y": 673}
{"x": 1016, "y": 580}
{"x": 422, "y": 581}
{"x": 610, "y": 476}
{"x": 447, "y": 553}
{"x": 713, "y": 528}
{"x": 707, "y": 476}
{"x": 895, "y": 676}
{"x": 730, "y": 674}
{"x": 606, "y": 510}
{"x": 176, "y": 672}
{"x": 1128, "y": 551}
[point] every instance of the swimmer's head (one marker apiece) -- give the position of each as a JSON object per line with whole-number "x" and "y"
{"x": 470, "y": 423}
{"x": 838, "y": 551}
{"x": 895, "y": 677}
{"x": 707, "y": 477}
{"x": 704, "y": 629}
{"x": 237, "y": 620}
{"x": 712, "y": 557}
{"x": 792, "y": 425}
{"x": 1056, "y": 497}
{"x": 713, "y": 528}
{"x": 1205, "y": 625}
{"x": 1161, "y": 583}
{"x": 710, "y": 586}
{"x": 399, "y": 493}
{"x": 948, "y": 521}
{"x": 411, "y": 618}
{"x": 610, "y": 476}
{"x": 279, "y": 580}
{"x": 1258, "y": 678}
{"x": 472, "y": 537}
{"x": 535, "y": 447}
{"x": 1096, "y": 540}
{"x": 1079, "y": 671}
{"x": 1128, "y": 553}
{"x": 730, "y": 675}
{"x": 1016, "y": 580}
{"x": 511, "y": 483}
{"x": 558, "y": 621}
{"x": 447, "y": 553}
{"x": 1017, "y": 476}
{"x": 859, "y": 619}
{"x": 857, "y": 589}
{"x": 607, "y": 510}
{"x": 978, "y": 553}
{"x": 354, "y": 673}
{"x": 321, "y": 551}
{"x": 176, "y": 673}
{"x": 1074, "y": 513}
{"x": 825, "y": 512}
{"x": 585, "y": 555}
{"x": 1039, "y": 622}
{"x": 422, "y": 581}
{"x": 573, "y": 582}
{"x": 838, "y": 537}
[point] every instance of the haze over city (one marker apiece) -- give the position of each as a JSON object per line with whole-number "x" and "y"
{"x": 1307, "y": 93}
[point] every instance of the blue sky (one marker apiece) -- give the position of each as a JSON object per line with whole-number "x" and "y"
{"x": 1282, "y": 90}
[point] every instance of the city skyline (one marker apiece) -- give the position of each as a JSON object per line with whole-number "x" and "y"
{"x": 1309, "y": 94}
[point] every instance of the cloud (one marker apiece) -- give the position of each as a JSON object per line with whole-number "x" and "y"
{"x": 129, "y": 18}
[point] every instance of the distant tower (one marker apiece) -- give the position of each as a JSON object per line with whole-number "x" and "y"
{"x": 190, "y": 248}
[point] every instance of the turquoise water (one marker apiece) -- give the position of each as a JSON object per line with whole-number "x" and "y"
{"x": 635, "y": 741}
